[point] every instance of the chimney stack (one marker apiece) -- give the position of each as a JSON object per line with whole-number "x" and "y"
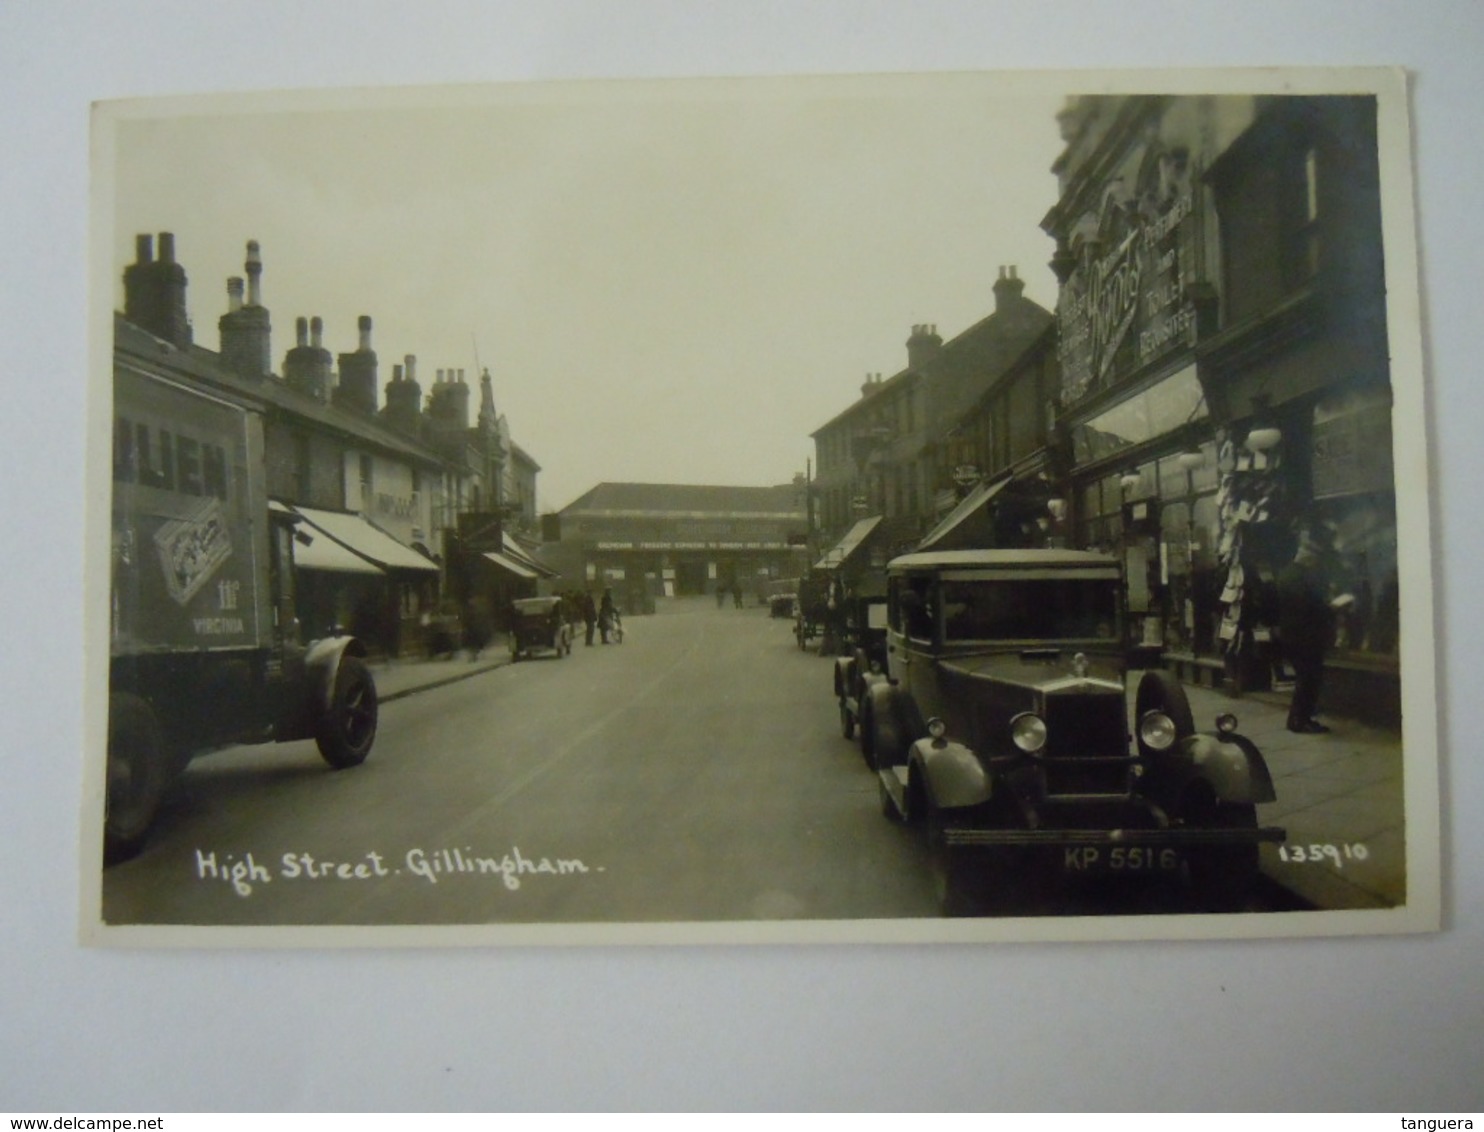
{"x": 308, "y": 366}
{"x": 1008, "y": 289}
{"x": 448, "y": 403}
{"x": 246, "y": 331}
{"x": 403, "y": 410}
{"x": 923, "y": 345}
{"x": 155, "y": 291}
{"x": 357, "y": 388}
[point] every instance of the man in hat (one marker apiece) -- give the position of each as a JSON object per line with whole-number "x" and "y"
{"x": 1306, "y": 627}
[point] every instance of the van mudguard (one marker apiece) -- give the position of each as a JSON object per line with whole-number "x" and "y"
{"x": 310, "y": 700}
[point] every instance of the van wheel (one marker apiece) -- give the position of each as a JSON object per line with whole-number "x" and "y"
{"x": 137, "y": 776}
{"x": 348, "y": 728}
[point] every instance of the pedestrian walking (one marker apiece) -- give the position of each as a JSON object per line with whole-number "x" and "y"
{"x": 736, "y": 594}
{"x": 1306, "y": 627}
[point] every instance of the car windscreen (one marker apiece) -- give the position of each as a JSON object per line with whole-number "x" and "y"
{"x": 1030, "y": 609}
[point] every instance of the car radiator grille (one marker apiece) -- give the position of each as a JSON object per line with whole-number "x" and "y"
{"x": 1087, "y": 745}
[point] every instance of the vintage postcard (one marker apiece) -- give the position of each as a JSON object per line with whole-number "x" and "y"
{"x": 955, "y": 507}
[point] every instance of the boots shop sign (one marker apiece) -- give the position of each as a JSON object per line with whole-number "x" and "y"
{"x": 1125, "y": 302}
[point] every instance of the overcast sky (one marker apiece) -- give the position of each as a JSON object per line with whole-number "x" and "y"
{"x": 669, "y": 281}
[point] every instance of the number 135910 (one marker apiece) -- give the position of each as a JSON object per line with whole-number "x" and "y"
{"x": 1316, "y": 854}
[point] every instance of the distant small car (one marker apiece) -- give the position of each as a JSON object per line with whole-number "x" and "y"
{"x": 1003, "y": 727}
{"x": 863, "y": 658}
{"x": 537, "y": 625}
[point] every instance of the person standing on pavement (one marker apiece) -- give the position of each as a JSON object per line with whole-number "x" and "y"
{"x": 607, "y": 615}
{"x": 1306, "y": 626}
{"x": 589, "y": 614}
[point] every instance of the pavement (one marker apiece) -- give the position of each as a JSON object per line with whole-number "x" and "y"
{"x": 403, "y": 677}
{"x": 1340, "y": 798}
{"x": 1339, "y": 795}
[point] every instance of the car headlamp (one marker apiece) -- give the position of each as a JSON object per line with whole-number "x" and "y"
{"x": 1028, "y": 732}
{"x": 937, "y": 728}
{"x": 1226, "y": 723}
{"x": 1157, "y": 731}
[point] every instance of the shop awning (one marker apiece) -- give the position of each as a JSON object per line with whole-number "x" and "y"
{"x": 356, "y": 534}
{"x": 959, "y": 529}
{"x": 854, "y": 539}
{"x": 314, "y": 550}
{"x": 510, "y": 564}
{"x": 512, "y": 550}
{"x": 322, "y": 552}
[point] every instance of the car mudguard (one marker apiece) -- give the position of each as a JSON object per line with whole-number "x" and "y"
{"x": 844, "y": 675}
{"x": 1231, "y": 764}
{"x": 885, "y": 716}
{"x": 952, "y": 773}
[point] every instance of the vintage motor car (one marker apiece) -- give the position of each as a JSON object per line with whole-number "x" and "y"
{"x": 537, "y": 625}
{"x": 781, "y": 594}
{"x": 862, "y": 662}
{"x": 1003, "y": 728}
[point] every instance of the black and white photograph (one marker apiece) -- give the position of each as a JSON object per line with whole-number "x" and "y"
{"x": 868, "y": 508}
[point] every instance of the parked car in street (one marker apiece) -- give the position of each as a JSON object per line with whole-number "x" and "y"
{"x": 862, "y": 662}
{"x": 1003, "y": 729}
{"x": 537, "y": 625}
{"x": 782, "y": 594}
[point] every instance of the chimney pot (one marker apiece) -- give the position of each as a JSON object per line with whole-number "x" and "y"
{"x": 253, "y": 266}
{"x": 234, "y": 293}
{"x": 364, "y": 325}
{"x": 396, "y": 373}
{"x": 410, "y": 362}
{"x": 144, "y": 249}
{"x": 167, "y": 247}
{"x": 301, "y": 331}
{"x": 316, "y": 330}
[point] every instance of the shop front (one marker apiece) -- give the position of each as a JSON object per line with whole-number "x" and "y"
{"x": 1144, "y": 484}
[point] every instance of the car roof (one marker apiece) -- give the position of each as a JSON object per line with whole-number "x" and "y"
{"x": 990, "y": 559}
{"x": 536, "y": 604}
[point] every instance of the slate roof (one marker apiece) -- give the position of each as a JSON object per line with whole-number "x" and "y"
{"x": 270, "y": 392}
{"x": 967, "y": 364}
{"x": 686, "y": 499}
